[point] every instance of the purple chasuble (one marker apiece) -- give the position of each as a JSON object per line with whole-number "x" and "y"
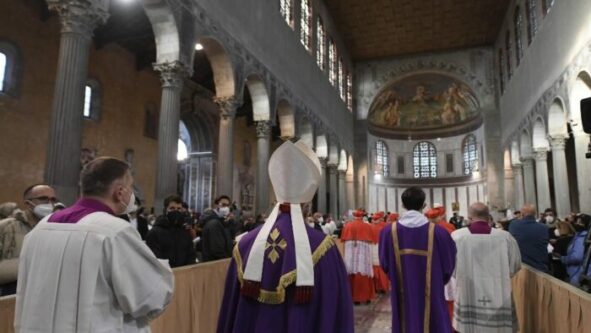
{"x": 414, "y": 265}
{"x": 330, "y": 309}
{"x": 480, "y": 227}
{"x": 76, "y": 212}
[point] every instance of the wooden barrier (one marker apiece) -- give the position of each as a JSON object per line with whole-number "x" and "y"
{"x": 543, "y": 303}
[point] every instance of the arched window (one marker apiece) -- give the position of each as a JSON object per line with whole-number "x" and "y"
{"x": 286, "y": 9}
{"x": 518, "y": 25}
{"x": 182, "y": 153}
{"x": 532, "y": 19}
{"x": 350, "y": 92}
{"x": 341, "y": 80}
{"x": 424, "y": 160}
{"x": 332, "y": 62}
{"x": 2, "y": 70}
{"x": 92, "y": 94}
{"x": 382, "y": 167}
{"x": 501, "y": 72}
{"x": 469, "y": 153}
{"x": 508, "y": 48}
{"x": 306, "y": 24}
{"x": 320, "y": 44}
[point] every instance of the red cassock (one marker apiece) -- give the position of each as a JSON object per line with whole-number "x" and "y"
{"x": 380, "y": 279}
{"x": 358, "y": 238}
{"x": 450, "y": 228}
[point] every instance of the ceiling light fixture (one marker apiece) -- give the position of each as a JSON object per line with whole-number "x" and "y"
{"x": 198, "y": 47}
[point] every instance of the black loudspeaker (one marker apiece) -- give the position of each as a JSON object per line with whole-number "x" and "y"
{"x": 586, "y": 114}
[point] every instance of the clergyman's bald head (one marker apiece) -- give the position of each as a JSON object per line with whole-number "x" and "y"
{"x": 528, "y": 210}
{"x": 479, "y": 211}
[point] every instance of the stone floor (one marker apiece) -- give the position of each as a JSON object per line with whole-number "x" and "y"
{"x": 375, "y": 317}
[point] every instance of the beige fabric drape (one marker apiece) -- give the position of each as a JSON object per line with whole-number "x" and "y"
{"x": 552, "y": 306}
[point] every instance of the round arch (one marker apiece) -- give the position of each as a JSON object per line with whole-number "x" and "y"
{"x": 515, "y": 153}
{"x": 306, "y": 132}
{"x": 221, "y": 65}
{"x": 343, "y": 162}
{"x": 261, "y": 109}
{"x": 557, "y": 118}
{"x": 166, "y": 33}
{"x": 581, "y": 89}
{"x": 539, "y": 136}
{"x": 525, "y": 144}
{"x": 286, "y": 119}
{"x": 321, "y": 146}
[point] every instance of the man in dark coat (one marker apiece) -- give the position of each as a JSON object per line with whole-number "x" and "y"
{"x": 168, "y": 239}
{"x": 217, "y": 238}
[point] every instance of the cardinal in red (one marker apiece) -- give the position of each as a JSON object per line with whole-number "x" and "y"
{"x": 380, "y": 279}
{"x": 358, "y": 238}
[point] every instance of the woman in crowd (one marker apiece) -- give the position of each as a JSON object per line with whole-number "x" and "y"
{"x": 564, "y": 233}
{"x": 576, "y": 249}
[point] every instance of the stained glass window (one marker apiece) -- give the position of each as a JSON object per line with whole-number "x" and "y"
{"x": 518, "y": 25}
{"x": 508, "y": 48}
{"x": 286, "y": 9}
{"x": 350, "y": 92}
{"x": 532, "y": 19}
{"x": 2, "y": 70}
{"x": 382, "y": 167}
{"x": 306, "y": 24}
{"x": 341, "y": 80}
{"x": 332, "y": 62}
{"x": 470, "y": 154}
{"x": 501, "y": 74}
{"x": 424, "y": 160}
{"x": 320, "y": 44}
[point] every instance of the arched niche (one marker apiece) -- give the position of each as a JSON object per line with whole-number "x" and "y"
{"x": 286, "y": 119}
{"x": 261, "y": 110}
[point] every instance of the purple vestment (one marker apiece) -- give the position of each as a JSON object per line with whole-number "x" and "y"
{"x": 414, "y": 276}
{"x": 330, "y": 309}
{"x": 82, "y": 208}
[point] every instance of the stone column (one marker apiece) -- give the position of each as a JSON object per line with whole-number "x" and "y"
{"x": 561, "y": 189}
{"x": 78, "y": 20}
{"x": 583, "y": 168}
{"x": 509, "y": 188}
{"x": 321, "y": 197}
{"x": 334, "y": 190}
{"x": 518, "y": 186}
{"x": 263, "y": 141}
{"x": 542, "y": 181}
{"x": 225, "y": 163}
{"x": 529, "y": 179}
{"x": 342, "y": 207}
{"x": 172, "y": 75}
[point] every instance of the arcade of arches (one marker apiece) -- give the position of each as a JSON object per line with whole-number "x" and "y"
{"x": 196, "y": 95}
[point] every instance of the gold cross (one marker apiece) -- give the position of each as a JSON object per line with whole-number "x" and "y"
{"x": 274, "y": 254}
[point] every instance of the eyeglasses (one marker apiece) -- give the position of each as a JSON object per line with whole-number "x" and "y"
{"x": 45, "y": 199}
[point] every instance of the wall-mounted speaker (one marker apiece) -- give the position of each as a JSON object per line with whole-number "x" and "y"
{"x": 586, "y": 114}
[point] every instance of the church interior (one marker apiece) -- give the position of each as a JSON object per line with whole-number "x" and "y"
{"x": 472, "y": 101}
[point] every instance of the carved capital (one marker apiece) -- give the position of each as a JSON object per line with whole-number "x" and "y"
{"x": 528, "y": 162}
{"x": 332, "y": 168}
{"x": 541, "y": 155}
{"x": 80, "y": 16}
{"x": 516, "y": 169}
{"x": 263, "y": 129}
{"x": 228, "y": 106}
{"x": 342, "y": 173}
{"x": 558, "y": 142}
{"x": 172, "y": 73}
{"x": 323, "y": 161}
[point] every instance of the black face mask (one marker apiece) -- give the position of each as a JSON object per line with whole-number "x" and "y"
{"x": 175, "y": 217}
{"x": 579, "y": 227}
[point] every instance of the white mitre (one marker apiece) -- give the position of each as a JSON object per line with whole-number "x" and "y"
{"x": 295, "y": 174}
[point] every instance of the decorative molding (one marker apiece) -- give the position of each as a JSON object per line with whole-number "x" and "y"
{"x": 557, "y": 142}
{"x": 172, "y": 74}
{"x": 228, "y": 106}
{"x": 541, "y": 154}
{"x": 80, "y": 17}
{"x": 263, "y": 129}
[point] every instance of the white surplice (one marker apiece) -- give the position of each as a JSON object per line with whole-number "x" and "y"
{"x": 93, "y": 276}
{"x": 484, "y": 267}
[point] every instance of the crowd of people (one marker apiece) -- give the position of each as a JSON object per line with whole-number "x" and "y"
{"x": 444, "y": 275}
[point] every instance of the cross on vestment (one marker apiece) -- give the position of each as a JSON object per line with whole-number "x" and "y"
{"x": 274, "y": 254}
{"x": 484, "y": 301}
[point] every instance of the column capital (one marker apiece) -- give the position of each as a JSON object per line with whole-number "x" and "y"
{"x": 558, "y": 142}
{"x": 528, "y": 161}
{"x": 342, "y": 173}
{"x": 80, "y": 16}
{"x": 323, "y": 161}
{"x": 227, "y": 105}
{"x": 516, "y": 168}
{"x": 263, "y": 128}
{"x": 172, "y": 73}
{"x": 541, "y": 155}
{"x": 332, "y": 168}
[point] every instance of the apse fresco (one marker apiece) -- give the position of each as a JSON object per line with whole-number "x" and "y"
{"x": 423, "y": 101}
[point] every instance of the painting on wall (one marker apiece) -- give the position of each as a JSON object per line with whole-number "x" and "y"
{"x": 151, "y": 121}
{"x": 423, "y": 101}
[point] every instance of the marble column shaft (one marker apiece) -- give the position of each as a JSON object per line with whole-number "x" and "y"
{"x": 225, "y": 163}
{"x": 542, "y": 180}
{"x": 334, "y": 190}
{"x": 321, "y": 197}
{"x": 342, "y": 206}
{"x": 263, "y": 129}
{"x": 509, "y": 188}
{"x": 529, "y": 180}
{"x": 172, "y": 75}
{"x": 518, "y": 184}
{"x": 78, "y": 20}
{"x": 561, "y": 188}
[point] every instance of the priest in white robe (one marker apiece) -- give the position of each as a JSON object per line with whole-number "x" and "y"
{"x": 83, "y": 269}
{"x": 487, "y": 259}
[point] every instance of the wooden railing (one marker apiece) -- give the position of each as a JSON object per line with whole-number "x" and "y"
{"x": 543, "y": 303}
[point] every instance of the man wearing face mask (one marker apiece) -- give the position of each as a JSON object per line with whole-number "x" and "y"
{"x": 169, "y": 239}
{"x": 83, "y": 268}
{"x": 216, "y": 235}
{"x": 39, "y": 202}
{"x": 575, "y": 254}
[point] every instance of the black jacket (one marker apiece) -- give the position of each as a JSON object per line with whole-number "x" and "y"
{"x": 171, "y": 242}
{"x": 217, "y": 240}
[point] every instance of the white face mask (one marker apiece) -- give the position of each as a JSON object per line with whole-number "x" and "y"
{"x": 130, "y": 205}
{"x": 556, "y": 232}
{"x": 311, "y": 224}
{"x": 42, "y": 210}
{"x": 320, "y": 220}
{"x": 224, "y": 211}
{"x": 549, "y": 219}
